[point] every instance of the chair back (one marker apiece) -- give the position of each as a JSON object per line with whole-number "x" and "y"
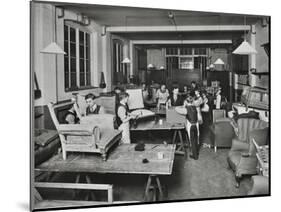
{"x": 218, "y": 114}
{"x": 246, "y": 125}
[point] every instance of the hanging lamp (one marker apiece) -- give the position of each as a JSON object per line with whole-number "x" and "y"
{"x": 245, "y": 48}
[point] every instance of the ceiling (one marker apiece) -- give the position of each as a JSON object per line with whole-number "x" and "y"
{"x": 131, "y": 16}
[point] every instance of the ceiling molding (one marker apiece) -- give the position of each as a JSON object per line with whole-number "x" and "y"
{"x": 227, "y": 41}
{"x": 125, "y": 29}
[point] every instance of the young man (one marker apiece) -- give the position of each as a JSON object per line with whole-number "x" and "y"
{"x": 192, "y": 126}
{"x": 123, "y": 117}
{"x": 175, "y": 99}
{"x": 92, "y": 107}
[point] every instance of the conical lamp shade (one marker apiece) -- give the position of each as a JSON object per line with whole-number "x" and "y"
{"x": 244, "y": 49}
{"x": 53, "y": 48}
{"x": 219, "y": 62}
{"x": 126, "y": 60}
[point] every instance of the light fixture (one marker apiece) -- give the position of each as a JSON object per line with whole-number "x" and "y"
{"x": 219, "y": 62}
{"x": 150, "y": 66}
{"x": 244, "y": 48}
{"x": 126, "y": 60}
{"x": 211, "y": 66}
{"x": 162, "y": 68}
{"x": 54, "y": 48}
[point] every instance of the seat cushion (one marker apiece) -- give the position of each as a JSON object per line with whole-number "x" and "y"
{"x": 108, "y": 136}
{"x": 233, "y": 159}
{"x": 238, "y": 145}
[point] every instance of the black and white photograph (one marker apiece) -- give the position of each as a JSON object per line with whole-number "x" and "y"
{"x": 138, "y": 105}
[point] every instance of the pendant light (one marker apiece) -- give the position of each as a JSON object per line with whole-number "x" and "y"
{"x": 244, "y": 48}
{"x": 219, "y": 61}
{"x": 53, "y": 48}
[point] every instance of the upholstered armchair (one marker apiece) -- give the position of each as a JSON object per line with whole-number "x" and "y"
{"x": 94, "y": 134}
{"x": 242, "y": 158}
{"x": 222, "y": 133}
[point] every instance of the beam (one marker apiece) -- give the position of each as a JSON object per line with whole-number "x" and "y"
{"x": 227, "y": 41}
{"x": 194, "y": 28}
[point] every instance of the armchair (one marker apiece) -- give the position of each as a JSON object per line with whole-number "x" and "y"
{"x": 241, "y": 157}
{"x": 94, "y": 134}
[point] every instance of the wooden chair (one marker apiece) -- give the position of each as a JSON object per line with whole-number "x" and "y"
{"x": 40, "y": 203}
{"x": 94, "y": 134}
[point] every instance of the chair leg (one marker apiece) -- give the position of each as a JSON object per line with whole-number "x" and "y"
{"x": 104, "y": 156}
{"x": 237, "y": 179}
{"x": 64, "y": 154}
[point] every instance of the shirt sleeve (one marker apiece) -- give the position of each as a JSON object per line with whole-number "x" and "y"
{"x": 121, "y": 113}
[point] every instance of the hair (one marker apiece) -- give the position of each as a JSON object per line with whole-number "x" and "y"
{"x": 90, "y": 96}
{"x": 175, "y": 87}
{"x": 193, "y": 82}
{"x": 118, "y": 88}
{"x": 189, "y": 99}
{"x": 123, "y": 95}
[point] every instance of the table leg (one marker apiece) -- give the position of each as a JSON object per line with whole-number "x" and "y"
{"x": 160, "y": 188}
{"x": 89, "y": 181}
{"x": 146, "y": 192}
{"x": 182, "y": 144}
{"x": 174, "y": 137}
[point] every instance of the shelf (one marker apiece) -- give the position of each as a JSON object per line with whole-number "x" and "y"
{"x": 260, "y": 73}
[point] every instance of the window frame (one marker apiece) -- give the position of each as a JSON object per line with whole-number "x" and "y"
{"x": 85, "y": 30}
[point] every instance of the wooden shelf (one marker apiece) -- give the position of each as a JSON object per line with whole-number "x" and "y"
{"x": 260, "y": 73}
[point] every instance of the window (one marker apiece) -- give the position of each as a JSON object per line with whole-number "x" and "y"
{"x": 188, "y": 58}
{"x": 77, "y": 73}
{"x": 117, "y": 61}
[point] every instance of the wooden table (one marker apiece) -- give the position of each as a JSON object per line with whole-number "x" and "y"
{"x": 151, "y": 125}
{"x": 123, "y": 160}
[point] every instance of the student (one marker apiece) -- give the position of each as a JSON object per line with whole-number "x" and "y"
{"x": 192, "y": 125}
{"x": 193, "y": 86}
{"x": 92, "y": 107}
{"x": 162, "y": 96}
{"x": 218, "y": 98}
{"x": 175, "y": 99}
{"x": 123, "y": 117}
{"x": 198, "y": 102}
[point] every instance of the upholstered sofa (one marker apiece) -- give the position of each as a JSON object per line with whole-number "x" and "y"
{"x": 242, "y": 155}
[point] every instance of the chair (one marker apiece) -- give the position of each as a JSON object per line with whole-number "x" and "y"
{"x": 221, "y": 130}
{"x": 241, "y": 157}
{"x": 94, "y": 134}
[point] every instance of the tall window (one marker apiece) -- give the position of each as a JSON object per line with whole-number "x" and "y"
{"x": 77, "y": 58}
{"x": 117, "y": 62}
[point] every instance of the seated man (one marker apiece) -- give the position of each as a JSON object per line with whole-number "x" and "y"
{"x": 175, "y": 99}
{"x": 92, "y": 107}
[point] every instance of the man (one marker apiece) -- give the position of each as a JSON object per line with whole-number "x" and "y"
{"x": 175, "y": 99}
{"x": 92, "y": 107}
{"x": 123, "y": 117}
{"x": 162, "y": 96}
{"x": 192, "y": 126}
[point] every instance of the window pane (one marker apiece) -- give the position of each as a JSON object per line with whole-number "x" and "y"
{"x": 82, "y": 65}
{"x": 66, "y": 72}
{"x": 186, "y": 51}
{"x": 73, "y": 72}
{"x": 81, "y": 38}
{"x": 81, "y": 51}
{"x": 72, "y": 50}
{"x": 88, "y": 73}
{"x": 87, "y": 39}
{"x": 72, "y": 34}
{"x": 87, "y": 52}
{"x": 65, "y": 32}
{"x": 82, "y": 79}
{"x": 66, "y": 47}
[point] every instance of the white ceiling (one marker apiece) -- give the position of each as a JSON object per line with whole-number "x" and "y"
{"x": 130, "y": 16}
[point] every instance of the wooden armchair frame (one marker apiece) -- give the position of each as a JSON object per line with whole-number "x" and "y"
{"x": 83, "y": 137}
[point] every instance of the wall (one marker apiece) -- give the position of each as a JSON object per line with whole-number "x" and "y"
{"x": 44, "y": 65}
